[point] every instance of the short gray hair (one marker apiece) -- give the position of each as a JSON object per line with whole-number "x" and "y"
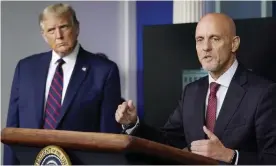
{"x": 58, "y": 9}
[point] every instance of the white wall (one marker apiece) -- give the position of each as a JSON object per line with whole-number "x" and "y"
{"x": 191, "y": 11}
{"x": 246, "y": 9}
{"x": 107, "y": 27}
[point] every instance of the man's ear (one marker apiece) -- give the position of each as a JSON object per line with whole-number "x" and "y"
{"x": 235, "y": 44}
{"x": 43, "y": 35}
{"x": 77, "y": 29}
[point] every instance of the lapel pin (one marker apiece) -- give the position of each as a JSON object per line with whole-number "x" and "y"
{"x": 83, "y": 68}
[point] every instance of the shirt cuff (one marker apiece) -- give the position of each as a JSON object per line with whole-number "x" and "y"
{"x": 129, "y": 131}
{"x": 237, "y": 159}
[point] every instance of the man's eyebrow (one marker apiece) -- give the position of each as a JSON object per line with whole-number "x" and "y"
{"x": 209, "y": 36}
{"x": 199, "y": 36}
{"x": 215, "y": 35}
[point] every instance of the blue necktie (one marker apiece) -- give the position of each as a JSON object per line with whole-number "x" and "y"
{"x": 53, "y": 104}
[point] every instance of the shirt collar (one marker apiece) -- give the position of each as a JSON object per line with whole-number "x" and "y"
{"x": 68, "y": 58}
{"x": 225, "y": 78}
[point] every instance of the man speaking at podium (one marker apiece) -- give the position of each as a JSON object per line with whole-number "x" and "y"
{"x": 229, "y": 116}
{"x": 67, "y": 88}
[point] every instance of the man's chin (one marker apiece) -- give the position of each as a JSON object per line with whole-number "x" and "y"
{"x": 210, "y": 68}
{"x": 62, "y": 52}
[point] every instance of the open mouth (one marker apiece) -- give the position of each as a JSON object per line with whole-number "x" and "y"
{"x": 207, "y": 57}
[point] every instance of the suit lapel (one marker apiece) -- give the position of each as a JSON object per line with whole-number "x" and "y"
{"x": 40, "y": 75}
{"x": 80, "y": 70}
{"x": 198, "y": 114}
{"x": 231, "y": 102}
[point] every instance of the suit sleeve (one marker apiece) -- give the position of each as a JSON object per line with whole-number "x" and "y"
{"x": 171, "y": 134}
{"x": 265, "y": 128}
{"x": 12, "y": 117}
{"x": 111, "y": 100}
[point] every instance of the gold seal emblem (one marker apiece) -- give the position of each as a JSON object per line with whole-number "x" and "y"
{"x": 52, "y": 155}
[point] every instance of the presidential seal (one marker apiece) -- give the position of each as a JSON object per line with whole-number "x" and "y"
{"x": 52, "y": 155}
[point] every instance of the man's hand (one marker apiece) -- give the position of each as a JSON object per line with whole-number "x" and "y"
{"x": 212, "y": 148}
{"x": 126, "y": 113}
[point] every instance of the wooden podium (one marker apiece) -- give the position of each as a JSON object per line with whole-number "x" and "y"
{"x": 96, "y": 148}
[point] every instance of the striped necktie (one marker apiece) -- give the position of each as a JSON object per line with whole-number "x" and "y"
{"x": 53, "y": 104}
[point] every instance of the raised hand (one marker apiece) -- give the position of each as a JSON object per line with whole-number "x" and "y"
{"x": 126, "y": 113}
{"x": 212, "y": 147}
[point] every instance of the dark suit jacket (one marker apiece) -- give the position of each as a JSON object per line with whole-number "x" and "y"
{"x": 247, "y": 119}
{"x": 90, "y": 103}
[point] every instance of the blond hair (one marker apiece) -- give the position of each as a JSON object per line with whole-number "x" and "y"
{"x": 58, "y": 9}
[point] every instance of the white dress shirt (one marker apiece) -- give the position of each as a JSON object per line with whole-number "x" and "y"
{"x": 68, "y": 66}
{"x": 224, "y": 80}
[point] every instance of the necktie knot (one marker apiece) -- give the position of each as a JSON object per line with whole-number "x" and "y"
{"x": 60, "y": 62}
{"x": 214, "y": 88}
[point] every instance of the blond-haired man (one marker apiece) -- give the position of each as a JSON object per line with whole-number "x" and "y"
{"x": 67, "y": 88}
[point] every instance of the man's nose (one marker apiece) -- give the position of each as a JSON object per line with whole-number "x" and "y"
{"x": 207, "y": 46}
{"x": 58, "y": 34}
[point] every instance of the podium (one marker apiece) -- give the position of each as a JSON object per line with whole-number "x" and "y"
{"x": 90, "y": 148}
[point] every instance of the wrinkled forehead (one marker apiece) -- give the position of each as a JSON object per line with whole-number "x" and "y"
{"x": 53, "y": 19}
{"x": 210, "y": 28}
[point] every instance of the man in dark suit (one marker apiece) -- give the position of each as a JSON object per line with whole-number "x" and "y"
{"x": 106, "y": 57}
{"x": 67, "y": 88}
{"x": 229, "y": 116}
